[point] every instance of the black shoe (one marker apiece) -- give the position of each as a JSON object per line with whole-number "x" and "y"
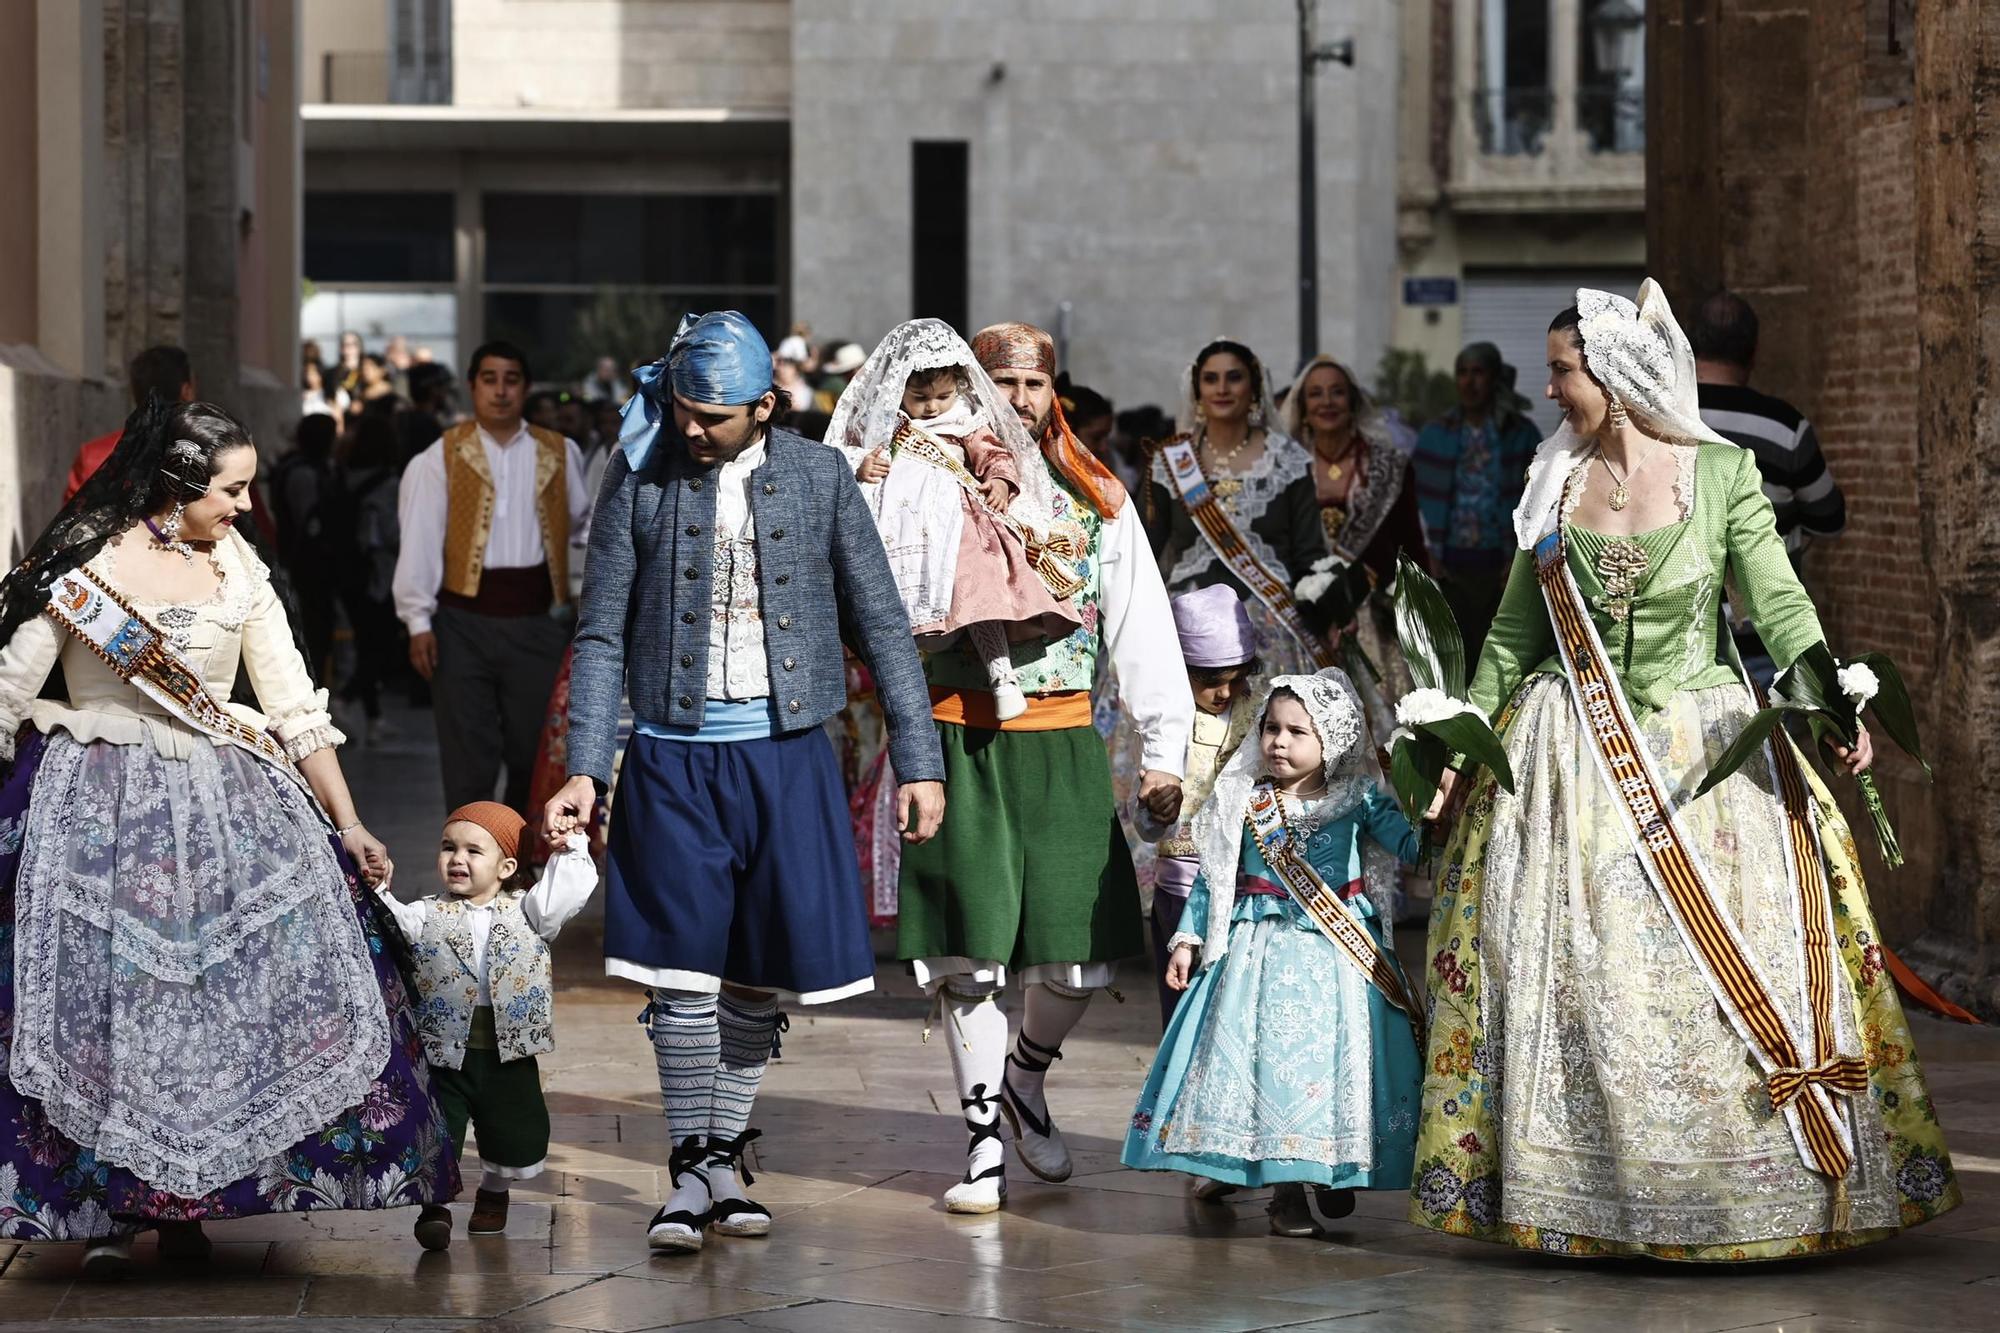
{"x": 184, "y": 1243}
{"x": 433, "y": 1229}
{"x": 1330, "y": 1205}
{"x": 1291, "y": 1215}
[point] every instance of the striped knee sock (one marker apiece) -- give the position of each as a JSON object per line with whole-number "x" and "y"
{"x": 748, "y": 1027}
{"x": 687, "y": 1046}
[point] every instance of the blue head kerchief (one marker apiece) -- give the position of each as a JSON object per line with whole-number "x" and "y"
{"x": 718, "y": 359}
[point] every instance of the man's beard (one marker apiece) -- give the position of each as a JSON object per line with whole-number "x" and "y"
{"x": 1040, "y": 430}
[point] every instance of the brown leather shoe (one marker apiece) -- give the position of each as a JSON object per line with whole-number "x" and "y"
{"x": 433, "y": 1229}
{"x": 489, "y": 1213}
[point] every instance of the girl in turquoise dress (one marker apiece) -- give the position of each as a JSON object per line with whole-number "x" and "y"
{"x": 1288, "y": 1063}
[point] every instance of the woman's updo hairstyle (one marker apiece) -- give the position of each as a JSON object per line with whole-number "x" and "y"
{"x": 1233, "y": 348}
{"x": 200, "y": 434}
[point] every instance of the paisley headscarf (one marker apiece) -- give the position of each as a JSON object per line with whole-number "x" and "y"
{"x": 1015, "y": 346}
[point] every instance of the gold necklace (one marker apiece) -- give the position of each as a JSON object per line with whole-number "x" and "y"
{"x": 1620, "y": 495}
{"x": 1226, "y": 488}
{"x": 1334, "y": 470}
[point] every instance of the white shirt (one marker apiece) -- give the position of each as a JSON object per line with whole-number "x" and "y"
{"x": 566, "y": 884}
{"x": 738, "y": 660}
{"x": 1142, "y": 644}
{"x": 516, "y": 539}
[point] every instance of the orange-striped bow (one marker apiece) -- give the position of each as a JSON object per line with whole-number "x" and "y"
{"x": 1843, "y": 1073}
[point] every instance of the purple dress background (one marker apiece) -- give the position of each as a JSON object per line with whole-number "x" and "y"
{"x": 389, "y": 1151}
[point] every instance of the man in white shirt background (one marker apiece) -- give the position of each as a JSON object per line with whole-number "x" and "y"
{"x": 482, "y": 584}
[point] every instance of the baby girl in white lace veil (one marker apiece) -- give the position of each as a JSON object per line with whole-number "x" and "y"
{"x": 963, "y": 500}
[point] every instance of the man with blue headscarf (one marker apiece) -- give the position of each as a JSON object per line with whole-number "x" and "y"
{"x": 728, "y": 560}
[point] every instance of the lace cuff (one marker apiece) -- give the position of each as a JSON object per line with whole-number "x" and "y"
{"x": 306, "y": 726}
{"x": 1180, "y": 937}
{"x": 312, "y": 740}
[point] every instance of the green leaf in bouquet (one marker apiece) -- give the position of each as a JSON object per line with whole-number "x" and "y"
{"x": 1428, "y": 631}
{"x": 1469, "y": 735}
{"x": 1356, "y": 662}
{"x": 1755, "y": 732}
{"x": 1892, "y": 705}
{"x": 1812, "y": 684}
{"x": 1416, "y": 768}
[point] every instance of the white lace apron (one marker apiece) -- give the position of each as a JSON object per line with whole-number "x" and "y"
{"x": 193, "y": 990}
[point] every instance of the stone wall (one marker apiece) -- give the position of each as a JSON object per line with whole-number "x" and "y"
{"x": 1848, "y": 190}
{"x": 607, "y": 54}
{"x": 1137, "y": 161}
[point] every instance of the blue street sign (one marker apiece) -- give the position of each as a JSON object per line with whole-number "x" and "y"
{"x": 1430, "y": 291}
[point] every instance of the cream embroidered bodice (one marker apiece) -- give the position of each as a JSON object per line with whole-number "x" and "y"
{"x": 243, "y": 623}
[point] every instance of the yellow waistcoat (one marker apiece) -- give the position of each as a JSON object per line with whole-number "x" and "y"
{"x": 468, "y": 485}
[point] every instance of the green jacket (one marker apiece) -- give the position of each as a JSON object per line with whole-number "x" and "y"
{"x": 1675, "y": 637}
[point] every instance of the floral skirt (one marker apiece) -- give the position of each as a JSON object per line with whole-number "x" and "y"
{"x": 387, "y": 1149}
{"x": 1584, "y": 1093}
{"x": 1281, "y": 1063}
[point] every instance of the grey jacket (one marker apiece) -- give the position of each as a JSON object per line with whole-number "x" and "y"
{"x": 642, "y": 626}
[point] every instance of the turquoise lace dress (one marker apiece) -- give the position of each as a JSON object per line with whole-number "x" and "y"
{"x": 1282, "y": 1062}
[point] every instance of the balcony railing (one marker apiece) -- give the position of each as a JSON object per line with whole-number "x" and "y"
{"x": 1512, "y": 122}
{"x": 1612, "y": 118}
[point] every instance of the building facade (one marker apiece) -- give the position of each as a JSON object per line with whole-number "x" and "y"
{"x": 155, "y": 155}
{"x": 1837, "y": 164}
{"x": 574, "y": 173}
{"x": 1521, "y": 171}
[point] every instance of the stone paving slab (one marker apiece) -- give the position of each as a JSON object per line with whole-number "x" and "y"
{"x": 862, "y": 1135}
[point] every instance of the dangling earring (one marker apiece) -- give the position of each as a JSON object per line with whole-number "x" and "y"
{"x": 1256, "y": 418}
{"x": 168, "y": 534}
{"x": 1201, "y": 413}
{"x": 1617, "y": 414}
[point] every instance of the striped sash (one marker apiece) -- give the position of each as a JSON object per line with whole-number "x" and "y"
{"x": 1216, "y": 528}
{"x": 141, "y": 654}
{"x": 1327, "y": 909}
{"x": 1801, "y": 1077}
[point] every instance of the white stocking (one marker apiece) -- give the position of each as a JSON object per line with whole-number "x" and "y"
{"x": 977, "y": 1032}
{"x": 1048, "y": 1016}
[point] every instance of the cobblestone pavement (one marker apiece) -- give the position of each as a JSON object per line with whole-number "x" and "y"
{"x": 862, "y": 1135}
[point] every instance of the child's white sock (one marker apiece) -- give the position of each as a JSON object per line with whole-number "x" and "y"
{"x": 989, "y": 641}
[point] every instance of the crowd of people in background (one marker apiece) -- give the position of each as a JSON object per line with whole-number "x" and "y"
{"x": 366, "y": 413}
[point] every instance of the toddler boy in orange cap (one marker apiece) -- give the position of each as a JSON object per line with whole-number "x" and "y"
{"x": 482, "y": 970}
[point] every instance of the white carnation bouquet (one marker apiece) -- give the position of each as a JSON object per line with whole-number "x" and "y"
{"x": 1831, "y": 698}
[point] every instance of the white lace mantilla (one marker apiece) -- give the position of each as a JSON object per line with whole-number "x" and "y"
{"x": 193, "y": 990}
{"x": 1281, "y": 462}
{"x": 1350, "y": 771}
{"x": 1641, "y": 357}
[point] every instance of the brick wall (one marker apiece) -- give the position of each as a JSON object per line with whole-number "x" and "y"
{"x": 1873, "y": 585}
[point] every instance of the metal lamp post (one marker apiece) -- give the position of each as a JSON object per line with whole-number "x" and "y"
{"x": 1311, "y": 56}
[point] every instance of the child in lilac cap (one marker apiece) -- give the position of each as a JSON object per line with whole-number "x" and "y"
{"x": 1219, "y": 645}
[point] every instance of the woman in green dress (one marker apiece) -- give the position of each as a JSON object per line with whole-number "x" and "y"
{"x": 1659, "y": 1025}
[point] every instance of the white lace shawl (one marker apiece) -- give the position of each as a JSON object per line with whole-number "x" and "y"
{"x": 1351, "y": 772}
{"x": 871, "y": 409}
{"x": 1282, "y": 462}
{"x": 1641, "y": 357}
